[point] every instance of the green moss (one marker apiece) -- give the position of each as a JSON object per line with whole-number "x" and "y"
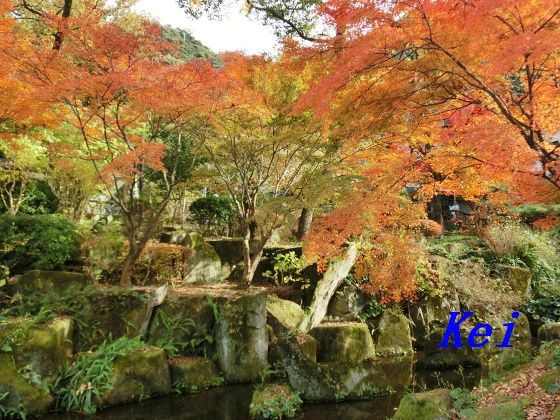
{"x": 18, "y": 394}
{"x": 140, "y": 374}
{"x": 38, "y": 283}
{"x": 283, "y": 315}
{"x": 274, "y": 401}
{"x": 550, "y": 382}
{"x": 45, "y": 348}
{"x": 549, "y": 332}
{"x": 424, "y": 406}
{"x": 343, "y": 342}
{"x": 505, "y": 411}
{"x": 193, "y": 374}
{"x": 394, "y": 338}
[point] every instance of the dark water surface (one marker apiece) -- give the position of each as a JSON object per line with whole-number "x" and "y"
{"x": 232, "y": 402}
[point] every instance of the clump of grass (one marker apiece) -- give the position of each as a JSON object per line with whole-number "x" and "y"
{"x": 81, "y": 385}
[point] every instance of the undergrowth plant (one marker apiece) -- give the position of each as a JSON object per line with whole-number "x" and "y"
{"x": 81, "y": 385}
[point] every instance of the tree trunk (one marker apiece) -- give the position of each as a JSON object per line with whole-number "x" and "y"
{"x": 338, "y": 269}
{"x": 59, "y": 36}
{"x": 304, "y": 224}
{"x": 251, "y": 260}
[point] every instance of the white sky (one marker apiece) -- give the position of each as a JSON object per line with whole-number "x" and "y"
{"x": 235, "y": 32}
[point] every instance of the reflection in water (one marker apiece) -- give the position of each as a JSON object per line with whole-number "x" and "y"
{"x": 232, "y": 402}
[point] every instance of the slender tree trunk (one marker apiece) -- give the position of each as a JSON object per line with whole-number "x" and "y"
{"x": 251, "y": 260}
{"x": 304, "y": 224}
{"x": 59, "y": 35}
{"x": 338, "y": 269}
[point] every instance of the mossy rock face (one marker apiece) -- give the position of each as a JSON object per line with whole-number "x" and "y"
{"x": 505, "y": 411}
{"x": 184, "y": 318}
{"x": 549, "y": 332}
{"x": 203, "y": 264}
{"x": 38, "y": 283}
{"x": 308, "y": 346}
{"x": 192, "y": 374}
{"x": 424, "y": 406}
{"x": 274, "y": 401}
{"x": 107, "y": 311}
{"x": 431, "y": 313}
{"x": 23, "y": 396}
{"x": 347, "y": 303}
{"x": 394, "y": 337}
{"x": 241, "y": 337}
{"x": 435, "y": 357}
{"x": 343, "y": 342}
{"x": 329, "y": 382}
{"x": 140, "y": 374}
{"x": 518, "y": 278}
{"x": 45, "y": 348}
{"x": 283, "y": 315}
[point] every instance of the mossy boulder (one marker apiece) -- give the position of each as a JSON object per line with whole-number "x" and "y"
{"x": 431, "y": 313}
{"x": 203, "y": 264}
{"x": 308, "y": 346}
{"x": 549, "y": 332}
{"x": 241, "y": 337}
{"x": 22, "y": 394}
{"x": 187, "y": 321}
{"x": 39, "y": 283}
{"x": 435, "y": 357}
{"x": 139, "y": 374}
{"x": 518, "y": 278}
{"x": 394, "y": 338}
{"x": 274, "y": 401}
{"x": 347, "y": 303}
{"x": 329, "y": 382}
{"x": 550, "y": 381}
{"x": 44, "y": 347}
{"x": 429, "y": 405}
{"x": 283, "y": 315}
{"x": 343, "y": 342}
{"x": 192, "y": 374}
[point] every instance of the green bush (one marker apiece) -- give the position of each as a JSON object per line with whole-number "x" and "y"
{"x": 39, "y": 199}
{"x": 546, "y": 309}
{"x": 213, "y": 211}
{"x": 40, "y": 242}
{"x": 274, "y": 401}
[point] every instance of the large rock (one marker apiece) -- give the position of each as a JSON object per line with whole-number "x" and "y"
{"x": 43, "y": 348}
{"x": 347, "y": 303}
{"x": 39, "y": 283}
{"x": 431, "y": 313}
{"x": 343, "y": 342}
{"x": 283, "y": 315}
{"x": 274, "y": 401}
{"x": 394, "y": 337}
{"x": 203, "y": 264}
{"x": 429, "y": 405}
{"x": 141, "y": 373}
{"x": 192, "y": 374}
{"x": 21, "y": 395}
{"x": 518, "y": 278}
{"x": 329, "y": 382}
{"x": 549, "y": 332}
{"x": 242, "y": 338}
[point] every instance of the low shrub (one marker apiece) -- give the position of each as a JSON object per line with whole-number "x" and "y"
{"x": 213, "y": 212}
{"x": 161, "y": 263}
{"x": 274, "y": 402}
{"x": 40, "y": 242}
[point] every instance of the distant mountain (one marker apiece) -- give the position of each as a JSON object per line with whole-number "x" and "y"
{"x": 189, "y": 47}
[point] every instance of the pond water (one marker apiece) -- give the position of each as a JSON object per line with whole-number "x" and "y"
{"x": 232, "y": 402}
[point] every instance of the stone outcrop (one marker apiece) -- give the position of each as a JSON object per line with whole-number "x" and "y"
{"x": 343, "y": 342}
{"x": 549, "y": 332}
{"x": 140, "y": 374}
{"x": 394, "y": 337}
{"x": 193, "y": 374}
{"x": 274, "y": 401}
{"x": 283, "y": 315}
{"x": 38, "y": 283}
{"x": 203, "y": 264}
